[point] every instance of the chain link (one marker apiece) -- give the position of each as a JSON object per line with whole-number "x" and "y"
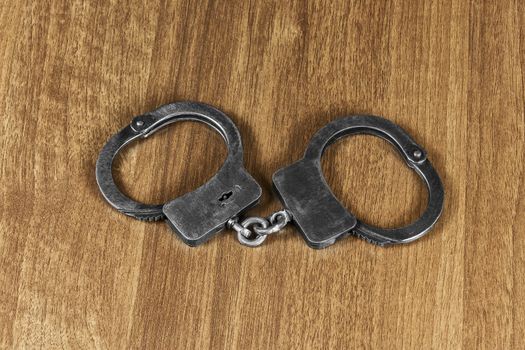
{"x": 253, "y": 231}
{"x": 277, "y": 221}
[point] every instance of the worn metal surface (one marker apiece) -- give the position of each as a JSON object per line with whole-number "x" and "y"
{"x": 197, "y": 215}
{"x": 319, "y": 215}
{"x": 321, "y": 218}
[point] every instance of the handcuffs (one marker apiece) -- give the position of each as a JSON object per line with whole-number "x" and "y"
{"x": 307, "y": 199}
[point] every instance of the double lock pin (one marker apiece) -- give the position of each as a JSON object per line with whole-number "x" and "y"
{"x": 307, "y": 199}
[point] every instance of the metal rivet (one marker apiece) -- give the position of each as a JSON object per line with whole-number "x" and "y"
{"x": 417, "y": 153}
{"x": 139, "y": 123}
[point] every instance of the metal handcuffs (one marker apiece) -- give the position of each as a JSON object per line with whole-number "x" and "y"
{"x": 307, "y": 199}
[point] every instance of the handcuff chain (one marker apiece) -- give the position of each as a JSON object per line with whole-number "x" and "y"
{"x": 260, "y": 227}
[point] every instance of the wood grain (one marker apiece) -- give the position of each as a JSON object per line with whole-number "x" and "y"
{"x": 77, "y": 274}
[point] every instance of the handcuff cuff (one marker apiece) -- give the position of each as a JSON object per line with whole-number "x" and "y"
{"x": 307, "y": 199}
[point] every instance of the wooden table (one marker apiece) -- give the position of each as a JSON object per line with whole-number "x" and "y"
{"x": 77, "y": 274}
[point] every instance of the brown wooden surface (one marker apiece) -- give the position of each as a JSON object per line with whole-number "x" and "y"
{"x": 75, "y": 273}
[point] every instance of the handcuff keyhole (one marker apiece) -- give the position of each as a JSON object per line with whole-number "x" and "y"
{"x": 225, "y": 196}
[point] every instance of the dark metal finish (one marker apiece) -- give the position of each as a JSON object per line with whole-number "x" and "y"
{"x": 320, "y": 216}
{"x": 198, "y": 215}
{"x": 308, "y": 200}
